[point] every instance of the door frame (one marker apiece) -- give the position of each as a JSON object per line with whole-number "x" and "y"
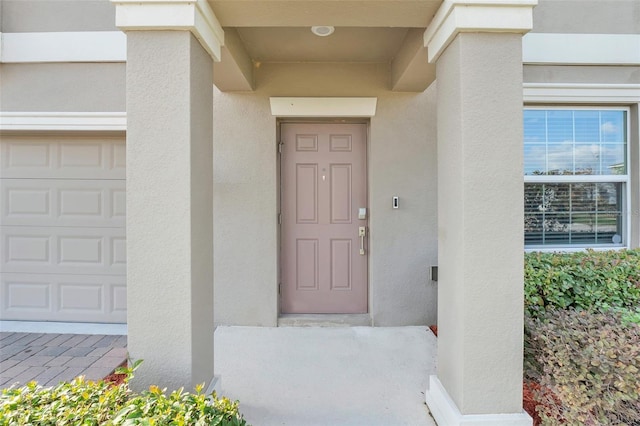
{"x": 311, "y": 120}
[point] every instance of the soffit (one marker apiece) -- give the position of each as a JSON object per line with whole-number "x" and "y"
{"x": 343, "y": 13}
{"x": 299, "y": 44}
{"x": 366, "y": 31}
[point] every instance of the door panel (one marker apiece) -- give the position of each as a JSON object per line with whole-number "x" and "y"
{"x": 306, "y": 193}
{"x": 323, "y": 186}
{"x": 62, "y": 229}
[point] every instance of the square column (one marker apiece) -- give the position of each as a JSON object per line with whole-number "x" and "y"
{"x": 169, "y": 195}
{"x": 480, "y": 212}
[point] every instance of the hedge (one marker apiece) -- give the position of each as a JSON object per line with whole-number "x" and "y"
{"x": 589, "y": 280}
{"x": 587, "y": 365}
{"x": 89, "y": 403}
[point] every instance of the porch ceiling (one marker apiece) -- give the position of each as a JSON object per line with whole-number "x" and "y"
{"x": 299, "y": 44}
{"x": 367, "y": 31}
{"x": 340, "y": 13}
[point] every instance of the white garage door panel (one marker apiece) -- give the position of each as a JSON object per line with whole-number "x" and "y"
{"x": 62, "y": 229}
{"x": 71, "y": 158}
{"x": 61, "y": 250}
{"x": 60, "y": 202}
{"x": 63, "y": 297}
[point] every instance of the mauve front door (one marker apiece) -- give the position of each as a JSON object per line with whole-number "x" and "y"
{"x": 324, "y": 254}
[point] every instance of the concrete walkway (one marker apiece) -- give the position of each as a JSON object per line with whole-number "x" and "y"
{"x": 294, "y": 376}
{"x": 51, "y": 358}
{"x": 327, "y": 376}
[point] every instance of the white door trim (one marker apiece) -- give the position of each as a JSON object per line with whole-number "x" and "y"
{"x": 323, "y": 107}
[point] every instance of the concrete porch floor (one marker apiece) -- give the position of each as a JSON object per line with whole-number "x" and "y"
{"x": 327, "y": 375}
{"x": 302, "y": 376}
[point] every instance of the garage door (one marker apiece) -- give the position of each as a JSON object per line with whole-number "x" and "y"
{"x": 62, "y": 229}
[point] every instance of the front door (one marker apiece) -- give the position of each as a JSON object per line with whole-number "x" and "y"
{"x": 324, "y": 227}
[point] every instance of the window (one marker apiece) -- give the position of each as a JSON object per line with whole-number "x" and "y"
{"x": 576, "y": 177}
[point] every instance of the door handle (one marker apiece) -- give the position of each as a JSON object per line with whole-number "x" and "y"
{"x": 362, "y": 232}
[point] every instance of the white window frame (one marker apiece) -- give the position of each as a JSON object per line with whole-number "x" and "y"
{"x": 624, "y": 179}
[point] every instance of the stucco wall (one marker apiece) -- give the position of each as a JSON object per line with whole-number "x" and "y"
{"x": 402, "y": 149}
{"x": 20, "y": 16}
{"x": 594, "y": 17}
{"x": 587, "y": 16}
{"x": 201, "y": 130}
{"x": 481, "y": 227}
{"x": 59, "y": 87}
{"x": 401, "y": 162}
{"x": 169, "y": 208}
{"x": 245, "y": 227}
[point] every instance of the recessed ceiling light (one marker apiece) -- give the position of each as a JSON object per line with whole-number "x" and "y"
{"x": 323, "y": 30}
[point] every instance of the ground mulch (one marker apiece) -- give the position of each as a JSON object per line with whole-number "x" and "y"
{"x": 529, "y": 401}
{"x": 116, "y": 378}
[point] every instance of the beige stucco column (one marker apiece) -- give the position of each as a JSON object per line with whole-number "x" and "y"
{"x": 478, "y": 54}
{"x": 170, "y": 49}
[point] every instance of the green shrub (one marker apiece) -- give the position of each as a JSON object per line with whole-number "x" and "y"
{"x": 178, "y": 408}
{"x": 588, "y": 365}
{"x": 75, "y": 403}
{"x": 87, "y": 403}
{"x": 630, "y": 315}
{"x": 582, "y": 280}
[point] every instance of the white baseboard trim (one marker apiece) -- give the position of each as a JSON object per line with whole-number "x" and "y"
{"x": 446, "y": 413}
{"x": 214, "y": 385}
{"x": 63, "y": 327}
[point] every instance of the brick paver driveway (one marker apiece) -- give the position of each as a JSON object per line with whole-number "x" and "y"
{"x": 52, "y": 358}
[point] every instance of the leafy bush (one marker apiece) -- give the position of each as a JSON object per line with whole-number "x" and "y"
{"x": 583, "y": 280}
{"x": 588, "y": 366}
{"x": 630, "y": 315}
{"x": 99, "y": 403}
{"x": 178, "y": 408}
{"x": 75, "y": 403}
